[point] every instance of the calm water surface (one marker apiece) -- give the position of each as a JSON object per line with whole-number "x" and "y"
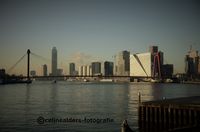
{"x": 21, "y": 104}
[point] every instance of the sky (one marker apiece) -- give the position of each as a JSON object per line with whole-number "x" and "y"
{"x": 96, "y": 30}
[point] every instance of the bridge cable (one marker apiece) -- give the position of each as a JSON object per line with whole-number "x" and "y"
{"x": 11, "y": 68}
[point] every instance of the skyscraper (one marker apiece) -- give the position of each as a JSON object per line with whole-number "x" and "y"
{"x": 122, "y": 63}
{"x": 80, "y": 70}
{"x": 108, "y": 68}
{"x": 141, "y": 64}
{"x": 167, "y": 70}
{"x": 192, "y": 63}
{"x": 153, "y": 49}
{"x": 72, "y": 69}
{"x": 89, "y": 70}
{"x": 96, "y": 68}
{"x": 158, "y": 61}
{"x": 44, "y": 70}
{"x": 84, "y": 70}
{"x": 54, "y": 62}
{"x": 150, "y": 64}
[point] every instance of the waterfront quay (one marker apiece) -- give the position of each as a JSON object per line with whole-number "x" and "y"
{"x": 178, "y": 114}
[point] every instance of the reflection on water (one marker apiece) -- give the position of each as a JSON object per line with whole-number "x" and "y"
{"x": 22, "y": 104}
{"x": 53, "y": 100}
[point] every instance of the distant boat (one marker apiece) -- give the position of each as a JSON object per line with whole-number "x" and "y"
{"x": 85, "y": 80}
{"x": 169, "y": 81}
{"x": 71, "y": 80}
{"x": 155, "y": 80}
{"x": 106, "y": 80}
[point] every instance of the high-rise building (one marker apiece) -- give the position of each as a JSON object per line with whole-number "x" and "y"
{"x": 192, "y": 63}
{"x": 150, "y": 64}
{"x": 89, "y": 70}
{"x": 80, "y": 70}
{"x": 44, "y": 70}
{"x": 108, "y": 68}
{"x": 122, "y": 63}
{"x": 72, "y": 69}
{"x": 153, "y": 49}
{"x": 96, "y": 68}
{"x": 141, "y": 64}
{"x": 85, "y": 70}
{"x": 54, "y": 62}
{"x": 161, "y": 56}
{"x": 167, "y": 70}
{"x": 158, "y": 61}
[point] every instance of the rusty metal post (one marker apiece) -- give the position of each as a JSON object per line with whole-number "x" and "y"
{"x": 139, "y": 98}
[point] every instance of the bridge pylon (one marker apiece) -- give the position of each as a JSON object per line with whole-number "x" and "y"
{"x": 28, "y": 64}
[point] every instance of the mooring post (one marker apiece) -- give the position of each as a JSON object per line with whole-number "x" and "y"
{"x": 125, "y": 127}
{"x": 139, "y": 98}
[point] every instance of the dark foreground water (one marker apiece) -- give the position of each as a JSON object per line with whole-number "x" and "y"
{"x": 79, "y": 107}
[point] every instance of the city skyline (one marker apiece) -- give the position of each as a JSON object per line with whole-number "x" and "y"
{"x": 97, "y": 30}
{"x": 119, "y": 59}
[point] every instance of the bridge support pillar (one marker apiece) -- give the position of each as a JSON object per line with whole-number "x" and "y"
{"x": 28, "y": 64}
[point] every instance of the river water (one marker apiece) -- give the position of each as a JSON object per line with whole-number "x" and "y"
{"x": 79, "y": 107}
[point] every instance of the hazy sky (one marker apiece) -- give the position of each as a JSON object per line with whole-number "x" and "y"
{"x": 86, "y": 30}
